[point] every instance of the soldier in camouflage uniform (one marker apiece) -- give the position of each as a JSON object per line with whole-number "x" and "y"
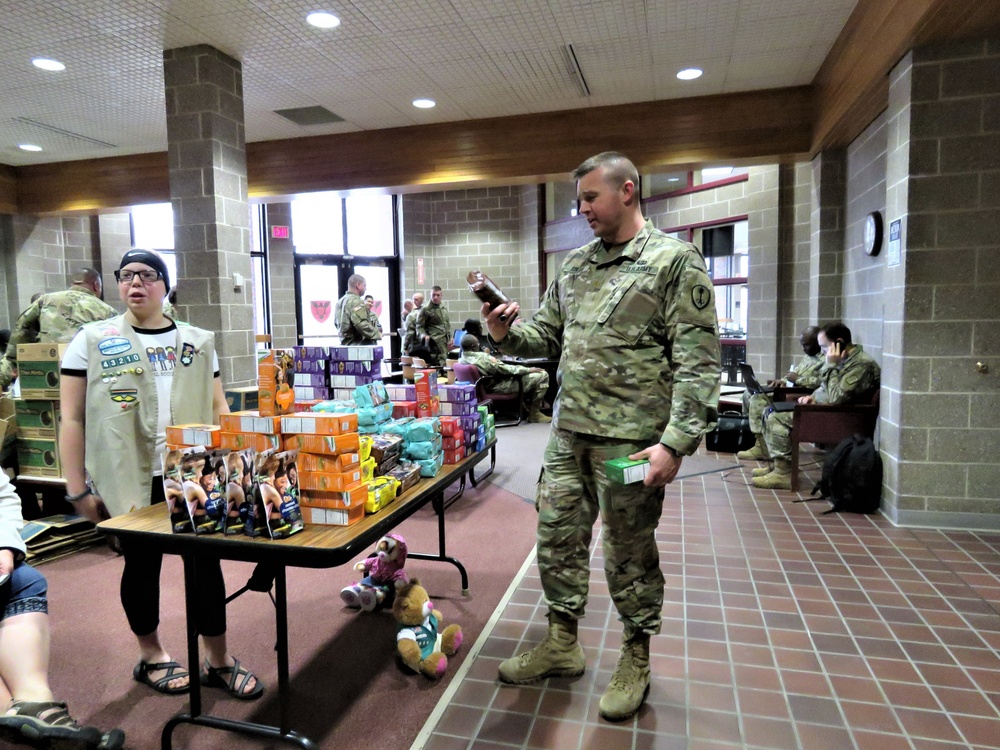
{"x": 357, "y": 324}
{"x": 632, "y": 318}
{"x": 849, "y": 376}
{"x": 410, "y": 324}
{"x": 804, "y": 374}
{"x": 433, "y": 328}
{"x": 503, "y": 378}
{"x": 56, "y": 317}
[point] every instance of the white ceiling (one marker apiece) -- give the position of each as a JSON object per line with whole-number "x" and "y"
{"x": 476, "y": 58}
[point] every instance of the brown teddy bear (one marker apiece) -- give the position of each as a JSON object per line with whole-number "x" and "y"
{"x": 420, "y": 640}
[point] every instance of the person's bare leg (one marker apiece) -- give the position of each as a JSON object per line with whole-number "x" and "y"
{"x": 24, "y": 656}
{"x": 151, "y": 652}
{"x": 217, "y": 655}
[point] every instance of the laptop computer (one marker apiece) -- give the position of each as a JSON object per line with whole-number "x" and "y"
{"x": 755, "y": 388}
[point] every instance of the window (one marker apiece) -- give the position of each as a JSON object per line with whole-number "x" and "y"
{"x": 726, "y": 251}
{"x": 317, "y": 224}
{"x": 153, "y": 229}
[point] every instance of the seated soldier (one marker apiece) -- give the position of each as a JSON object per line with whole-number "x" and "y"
{"x": 849, "y": 376}
{"x": 33, "y": 716}
{"x": 805, "y": 374}
{"x": 502, "y": 377}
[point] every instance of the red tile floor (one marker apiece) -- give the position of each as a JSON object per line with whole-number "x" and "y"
{"x": 783, "y": 628}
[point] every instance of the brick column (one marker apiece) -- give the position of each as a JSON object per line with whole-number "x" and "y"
{"x": 940, "y": 438}
{"x": 206, "y": 148}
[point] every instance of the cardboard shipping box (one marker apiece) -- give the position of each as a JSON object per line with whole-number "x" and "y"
{"x": 38, "y": 370}
{"x": 8, "y": 420}
{"x": 38, "y": 457}
{"x": 37, "y": 418}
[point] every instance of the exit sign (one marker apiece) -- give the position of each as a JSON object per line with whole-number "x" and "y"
{"x": 279, "y": 233}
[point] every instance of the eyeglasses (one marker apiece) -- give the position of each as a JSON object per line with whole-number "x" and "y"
{"x": 147, "y": 277}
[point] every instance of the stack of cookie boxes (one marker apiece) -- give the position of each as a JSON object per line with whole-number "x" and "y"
{"x": 334, "y": 372}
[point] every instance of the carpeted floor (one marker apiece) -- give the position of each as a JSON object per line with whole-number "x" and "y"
{"x": 348, "y": 688}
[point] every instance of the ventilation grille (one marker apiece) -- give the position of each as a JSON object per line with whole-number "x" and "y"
{"x": 309, "y": 115}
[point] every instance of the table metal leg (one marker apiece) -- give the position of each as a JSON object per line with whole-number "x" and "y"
{"x": 282, "y": 733}
{"x": 493, "y": 464}
{"x": 439, "y": 506}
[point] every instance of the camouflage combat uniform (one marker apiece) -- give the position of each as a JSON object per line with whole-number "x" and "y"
{"x": 433, "y": 321}
{"x": 853, "y": 381}
{"x": 53, "y": 317}
{"x": 635, "y": 327}
{"x": 410, "y": 334}
{"x": 808, "y": 369}
{"x": 355, "y": 322}
{"x": 503, "y": 377}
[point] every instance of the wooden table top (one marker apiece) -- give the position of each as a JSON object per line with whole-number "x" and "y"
{"x": 316, "y": 546}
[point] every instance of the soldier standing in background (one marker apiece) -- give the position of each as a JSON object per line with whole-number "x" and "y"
{"x": 410, "y": 324}
{"x": 632, "y": 317}
{"x": 56, "y": 317}
{"x": 354, "y": 319}
{"x": 433, "y": 325}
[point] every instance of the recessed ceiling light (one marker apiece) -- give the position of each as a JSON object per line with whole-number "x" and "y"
{"x": 46, "y": 64}
{"x": 29, "y": 147}
{"x": 323, "y": 20}
{"x": 673, "y": 179}
{"x": 424, "y": 103}
{"x": 689, "y": 74}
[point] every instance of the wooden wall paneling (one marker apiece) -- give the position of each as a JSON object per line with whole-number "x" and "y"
{"x": 93, "y": 184}
{"x": 8, "y": 190}
{"x": 851, "y": 87}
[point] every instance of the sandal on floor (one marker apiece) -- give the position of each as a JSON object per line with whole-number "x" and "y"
{"x": 174, "y": 672}
{"x": 49, "y": 726}
{"x": 227, "y": 677}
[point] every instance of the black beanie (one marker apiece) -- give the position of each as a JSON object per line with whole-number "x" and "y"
{"x": 151, "y": 259}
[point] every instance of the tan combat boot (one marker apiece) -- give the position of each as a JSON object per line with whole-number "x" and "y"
{"x": 757, "y": 453}
{"x": 630, "y": 682}
{"x": 761, "y": 471}
{"x": 559, "y": 655}
{"x": 780, "y": 478}
{"x": 535, "y": 415}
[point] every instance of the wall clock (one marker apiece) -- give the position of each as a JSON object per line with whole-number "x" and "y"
{"x": 872, "y": 239}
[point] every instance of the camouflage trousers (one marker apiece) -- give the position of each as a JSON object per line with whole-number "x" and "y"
{"x": 572, "y": 490}
{"x": 777, "y": 434}
{"x": 535, "y": 385}
{"x": 754, "y": 406}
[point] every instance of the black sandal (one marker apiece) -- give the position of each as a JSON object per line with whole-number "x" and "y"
{"x": 49, "y": 726}
{"x": 174, "y": 672}
{"x": 226, "y": 678}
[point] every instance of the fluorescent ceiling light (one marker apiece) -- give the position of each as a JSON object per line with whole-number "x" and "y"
{"x": 46, "y": 64}
{"x": 689, "y": 74}
{"x": 323, "y": 20}
{"x": 29, "y": 147}
{"x": 717, "y": 172}
{"x": 424, "y": 103}
{"x": 673, "y": 179}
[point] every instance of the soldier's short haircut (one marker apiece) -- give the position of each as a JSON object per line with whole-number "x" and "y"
{"x": 435, "y": 289}
{"x": 356, "y": 278}
{"x": 836, "y": 330}
{"x": 86, "y": 276}
{"x": 469, "y": 343}
{"x": 619, "y": 168}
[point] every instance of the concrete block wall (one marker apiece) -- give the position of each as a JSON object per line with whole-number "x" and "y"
{"x": 863, "y": 307}
{"x": 827, "y": 229}
{"x": 281, "y": 273}
{"x": 941, "y": 443}
{"x": 794, "y": 260}
{"x": 114, "y": 233}
{"x": 530, "y": 270}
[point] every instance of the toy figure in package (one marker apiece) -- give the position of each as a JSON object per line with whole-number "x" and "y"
{"x": 173, "y": 490}
{"x": 202, "y": 491}
{"x": 276, "y": 505}
{"x": 239, "y": 489}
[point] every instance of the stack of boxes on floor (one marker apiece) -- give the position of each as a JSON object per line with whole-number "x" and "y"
{"x": 328, "y": 440}
{"x": 37, "y": 409}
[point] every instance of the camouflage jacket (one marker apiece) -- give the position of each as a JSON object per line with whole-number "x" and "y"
{"x": 410, "y": 335}
{"x": 355, "y": 321}
{"x": 853, "y": 381}
{"x": 491, "y": 367}
{"x": 809, "y": 371}
{"x": 635, "y": 330}
{"x": 53, "y": 317}
{"x": 433, "y": 321}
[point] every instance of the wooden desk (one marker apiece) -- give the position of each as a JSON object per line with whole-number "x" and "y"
{"x": 313, "y": 547}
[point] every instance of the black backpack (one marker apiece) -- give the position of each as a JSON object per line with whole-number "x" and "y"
{"x": 852, "y": 477}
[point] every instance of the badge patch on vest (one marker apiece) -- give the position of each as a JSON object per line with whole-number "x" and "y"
{"x": 701, "y": 296}
{"x": 114, "y": 345}
{"x": 124, "y": 395}
{"x": 187, "y": 354}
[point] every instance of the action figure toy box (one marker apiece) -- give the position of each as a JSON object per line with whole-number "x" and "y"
{"x": 275, "y": 381}
{"x": 194, "y": 485}
{"x": 276, "y": 496}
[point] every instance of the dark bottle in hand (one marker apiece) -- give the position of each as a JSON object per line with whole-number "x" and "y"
{"x": 484, "y": 288}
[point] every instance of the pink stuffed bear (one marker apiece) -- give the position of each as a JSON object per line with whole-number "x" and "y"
{"x": 384, "y": 574}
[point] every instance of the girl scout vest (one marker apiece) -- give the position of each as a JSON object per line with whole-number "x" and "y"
{"x": 122, "y": 406}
